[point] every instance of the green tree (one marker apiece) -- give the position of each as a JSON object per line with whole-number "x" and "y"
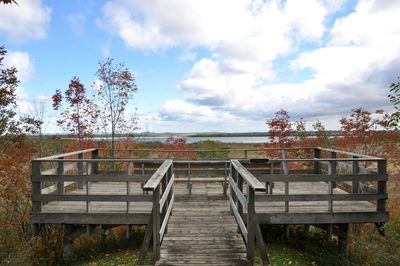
{"x": 10, "y": 124}
{"x": 322, "y": 136}
{"x": 301, "y": 132}
{"x": 393, "y": 120}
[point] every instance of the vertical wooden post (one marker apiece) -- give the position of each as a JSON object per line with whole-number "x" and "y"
{"x": 250, "y": 223}
{"x": 333, "y": 167}
{"x": 381, "y": 204}
{"x": 231, "y": 193}
{"x": 36, "y": 186}
{"x": 286, "y": 172}
{"x": 189, "y": 184}
{"x": 342, "y": 234}
{"x": 240, "y": 186}
{"x": 67, "y": 252}
{"x": 331, "y": 171}
{"x": 225, "y": 185}
{"x": 164, "y": 183}
{"x": 128, "y": 185}
{"x": 95, "y": 165}
{"x": 156, "y": 223}
{"x": 317, "y": 165}
{"x": 80, "y": 170}
{"x": 245, "y": 154}
{"x": 60, "y": 171}
{"x": 171, "y": 192}
{"x": 356, "y": 170}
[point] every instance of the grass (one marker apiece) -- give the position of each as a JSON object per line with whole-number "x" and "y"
{"x": 116, "y": 258}
{"x": 279, "y": 254}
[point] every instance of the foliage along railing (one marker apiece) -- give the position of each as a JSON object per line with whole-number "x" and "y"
{"x": 220, "y": 153}
{"x": 161, "y": 186}
{"x": 239, "y": 203}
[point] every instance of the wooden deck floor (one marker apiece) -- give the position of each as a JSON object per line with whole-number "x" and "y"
{"x": 201, "y": 231}
{"x": 209, "y": 189}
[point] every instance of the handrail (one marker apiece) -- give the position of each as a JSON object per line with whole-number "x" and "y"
{"x": 154, "y": 181}
{"x": 348, "y": 153}
{"x": 239, "y": 203}
{"x": 263, "y": 149}
{"x": 247, "y": 176}
{"x": 65, "y": 154}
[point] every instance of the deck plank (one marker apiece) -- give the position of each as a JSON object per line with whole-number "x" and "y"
{"x": 202, "y": 231}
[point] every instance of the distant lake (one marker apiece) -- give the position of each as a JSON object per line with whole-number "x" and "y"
{"x": 221, "y": 139}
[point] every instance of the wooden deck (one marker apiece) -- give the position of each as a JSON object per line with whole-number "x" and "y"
{"x": 205, "y": 189}
{"x": 188, "y": 210}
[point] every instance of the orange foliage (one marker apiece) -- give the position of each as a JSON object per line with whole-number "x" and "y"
{"x": 15, "y": 187}
{"x": 179, "y": 145}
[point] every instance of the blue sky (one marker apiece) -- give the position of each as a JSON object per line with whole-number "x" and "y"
{"x": 211, "y": 65}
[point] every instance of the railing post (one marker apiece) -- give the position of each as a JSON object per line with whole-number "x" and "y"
{"x": 156, "y": 223}
{"x": 80, "y": 169}
{"x": 225, "y": 185}
{"x": 356, "y": 170}
{"x": 240, "y": 186}
{"x": 250, "y": 223}
{"x": 60, "y": 172}
{"x": 36, "y": 186}
{"x": 95, "y": 165}
{"x": 317, "y": 165}
{"x": 381, "y": 204}
{"x": 331, "y": 171}
{"x": 286, "y": 172}
{"x": 333, "y": 167}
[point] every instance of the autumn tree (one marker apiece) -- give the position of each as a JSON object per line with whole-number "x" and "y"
{"x": 78, "y": 112}
{"x": 113, "y": 93}
{"x": 16, "y": 153}
{"x": 359, "y": 130}
{"x": 280, "y": 129}
{"x": 8, "y": 2}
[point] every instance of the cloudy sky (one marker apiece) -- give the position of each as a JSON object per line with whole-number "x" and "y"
{"x": 211, "y": 65}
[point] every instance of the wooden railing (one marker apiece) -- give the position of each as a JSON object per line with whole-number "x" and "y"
{"x": 336, "y": 169}
{"x": 209, "y": 171}
{"x": 240, "y": 203}
{"x": 161, "y": 186}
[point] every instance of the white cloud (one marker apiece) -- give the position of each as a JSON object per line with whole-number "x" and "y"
{"x": 22, "y": 62}
{"x": 26, "y": 21}
{"x": 351, "y": 63}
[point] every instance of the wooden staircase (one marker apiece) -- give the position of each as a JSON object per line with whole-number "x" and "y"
{"x": 202, "y": 231}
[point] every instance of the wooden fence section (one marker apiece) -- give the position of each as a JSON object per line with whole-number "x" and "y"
{"x": 82, "y": 191}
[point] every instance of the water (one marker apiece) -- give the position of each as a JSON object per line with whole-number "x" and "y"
{"x": 221, "y": 139}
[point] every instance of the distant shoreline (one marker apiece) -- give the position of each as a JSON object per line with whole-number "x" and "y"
{"x": 190, "y": 134}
